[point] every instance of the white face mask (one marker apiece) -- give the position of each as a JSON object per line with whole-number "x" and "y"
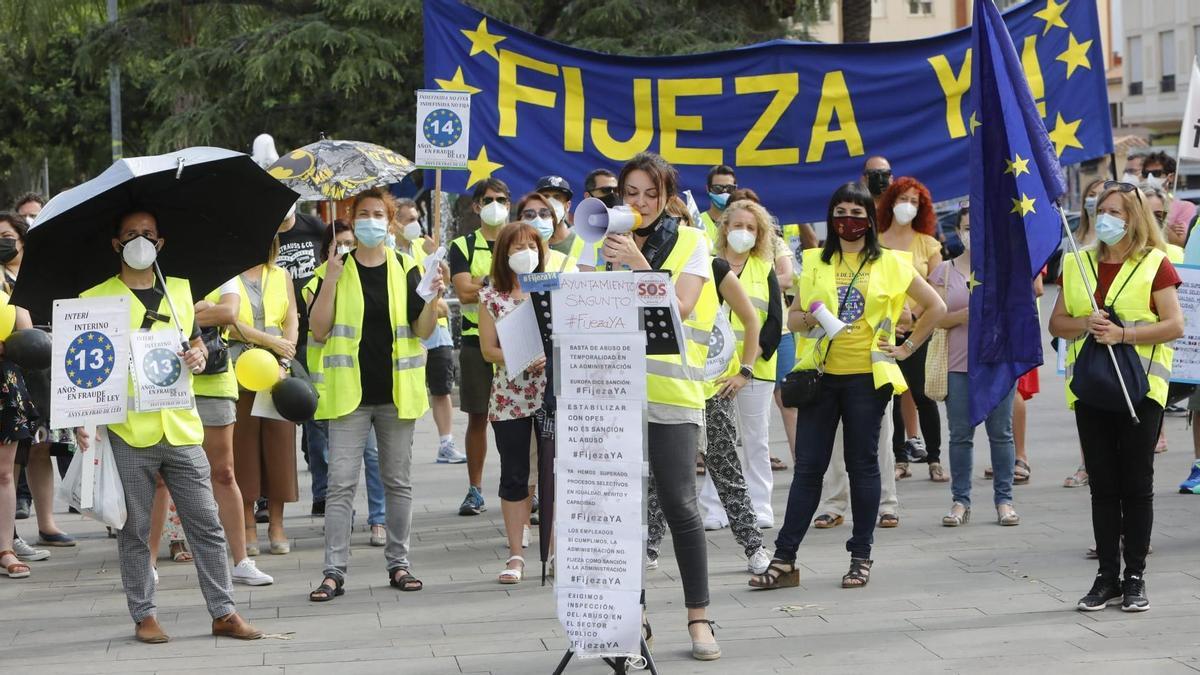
{"x": 741, "y": 240}
{"x": 1155, "y": 182}
{"x": 494, "y": 214}
{"x": 139, "y": 253}
{"x": 412, "y": 231}
{"x": 523, "y": 261}
{"x": 559, "y": 209}
{"x": 1131, "y": 178}
{"x": 904, "y": 212}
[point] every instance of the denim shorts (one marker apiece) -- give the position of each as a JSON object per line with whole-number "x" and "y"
{"x": 786, "y": 359}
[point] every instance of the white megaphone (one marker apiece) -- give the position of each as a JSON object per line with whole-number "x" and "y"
{"x": 829, "y": 323}
{"x": 594, "y": 220}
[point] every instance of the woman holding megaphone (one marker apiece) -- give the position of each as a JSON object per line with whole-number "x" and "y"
{"x": 851, "y": 376}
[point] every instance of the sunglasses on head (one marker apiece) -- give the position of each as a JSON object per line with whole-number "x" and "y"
{"x": 499, "y": 200}
{"x": 1122, "y": 187}
{"x": 722, "y": 189}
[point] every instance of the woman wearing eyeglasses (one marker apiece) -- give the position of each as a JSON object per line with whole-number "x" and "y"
{"x": 1135, "y": 287}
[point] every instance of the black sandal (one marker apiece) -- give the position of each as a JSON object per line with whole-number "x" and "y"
{"x": 405, "y": 582}
{"x": 859, "y": 574}
{"x": 776, "y": 576}
{"x": 325, "y": 592}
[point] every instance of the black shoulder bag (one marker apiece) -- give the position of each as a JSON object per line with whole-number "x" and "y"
{"x": 1095, "y": 381}
{"x": 800, "y": 387}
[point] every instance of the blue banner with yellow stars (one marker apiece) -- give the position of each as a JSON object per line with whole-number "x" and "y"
{"x": 794, "y": 119}
{"x": 1015, "y": 223}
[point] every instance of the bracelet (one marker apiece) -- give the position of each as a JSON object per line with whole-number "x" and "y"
{"x": 912, "y": 349}
{"x": 1122, "y": 334}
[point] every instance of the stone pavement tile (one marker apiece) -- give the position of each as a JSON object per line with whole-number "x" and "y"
{"x": 429, "y": 666}
{"x": 198, "y": 669}
{"x": 223, "y": 663}
{"x": 531, "y": 628}
{"x": 347, "y": 660}
{"x": 1183, "y": 642}
{"x": 1001, "y": 640}
{"x": 526, "y": 663}
{"x": 925, "y": 621}
{"x": 467, "y": 645}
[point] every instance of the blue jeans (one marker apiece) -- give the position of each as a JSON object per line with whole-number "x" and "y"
{"x": 375, "y": 505}
{"x": 853, "y": 401}
{"x": 962, "y": 437}
{"x": 316, "y": 443}
{"x": 786, "y": 359}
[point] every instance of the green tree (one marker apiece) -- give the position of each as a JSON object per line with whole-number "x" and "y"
{"x": 856, "y": 20}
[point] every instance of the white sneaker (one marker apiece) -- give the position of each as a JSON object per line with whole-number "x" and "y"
{"x": 764, "y": 524}
{"x": 28, "y": 553}
{"x": 712, "y": 525}
{"x": 247, "y": 572}
{"x": 448, "y": 454}
{"x": 759, "y": 562}
{"x": 651, "y": 563}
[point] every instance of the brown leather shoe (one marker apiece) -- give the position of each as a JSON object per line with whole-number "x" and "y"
{"x": 236, "y": 627}
{"x": 147, "y": 630}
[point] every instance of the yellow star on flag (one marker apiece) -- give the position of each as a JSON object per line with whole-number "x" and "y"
{"x": 457, "y": 83}
{"x": 482, "y": 40}
{"x": 973, "y": 282}
{"x": 1064, "y": 134}
{"x": 1017, "y": 166}
{"x": 1076, "y": 55}
{"x": 1052, "y": 15}
{"x": 974, "y": 122}
{"x": 1023, "y": 206}
{"x": 481, "y": 167}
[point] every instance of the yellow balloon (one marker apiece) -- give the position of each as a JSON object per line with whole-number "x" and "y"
{"x": 257, "y": 370}
{"x": 8, "y": 316}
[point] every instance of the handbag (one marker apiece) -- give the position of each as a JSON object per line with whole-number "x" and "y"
{"x": 937, "y": 357}
{"x": 800, "y": 387}
{"x": 218, "y": 351}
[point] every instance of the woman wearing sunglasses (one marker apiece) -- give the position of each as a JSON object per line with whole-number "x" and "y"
{"x": 1129, "y": 277}
{"x": 535, "y": 210}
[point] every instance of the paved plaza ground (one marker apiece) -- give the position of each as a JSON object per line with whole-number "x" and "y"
{"x": 980, "y": 598}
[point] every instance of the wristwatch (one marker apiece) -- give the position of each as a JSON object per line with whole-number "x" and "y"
{"x": 746, "y": 372}
{"x": 286, "y": 363}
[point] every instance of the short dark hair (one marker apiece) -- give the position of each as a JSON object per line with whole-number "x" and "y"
{"x": 589, "y": 183}
{"x": 719, "y": 170}
{"x": 339, "y": 226}
{"x": 493, "y": 184}
{"x": 1166, "y": 161}
{"x": 854, "y": 193}
{"x": 28, "y": 197}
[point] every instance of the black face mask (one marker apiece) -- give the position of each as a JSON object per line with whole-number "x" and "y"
{"x": 8, "y": 250}
{"x": 612, "y": 200}
{"x": 647, "y": 230}
{"x": 878, "y": 181}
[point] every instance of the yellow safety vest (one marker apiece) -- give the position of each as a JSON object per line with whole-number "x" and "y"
{"x": 274, "y": 283}
{"x": 1175, "y": 254}
{"x": 221, "y": 385}
{"x": 417, "y": 255}
{"x": 711, "y": 230}
{"x": 669, "y": 379}
{"x": 475, "y": 249}
{"x": 341, "y": 384}
{"x": 557, "y": 262}
{"x": 791, "y": 237}
{"x": 754, "y": 278}
{"x": 1132, "y": 305}
{"x": 887, "y": 290}
{"x": 145, "y": 429}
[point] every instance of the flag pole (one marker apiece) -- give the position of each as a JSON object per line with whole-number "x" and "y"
{"x": 1095, "y": 308}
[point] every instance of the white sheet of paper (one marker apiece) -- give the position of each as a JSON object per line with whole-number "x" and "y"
{"x": 433, "y": 270}
{"x": 161, "y": 381}
{"x": 520, "y": 339}
{"x": 90, "y": 366}
{"x": 264, "y": 406}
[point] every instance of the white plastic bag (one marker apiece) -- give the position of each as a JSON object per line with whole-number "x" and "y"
{"x": 106, "y": 503}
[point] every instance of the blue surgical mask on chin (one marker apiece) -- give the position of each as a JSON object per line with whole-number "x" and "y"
{"x": 719, "y": 200}
{"x": 370, "y": 231}
{"x": 1110, "y": 229}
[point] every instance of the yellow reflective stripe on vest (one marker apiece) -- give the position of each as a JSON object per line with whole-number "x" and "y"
{"x": 274, "y": 281}
{"x": 342, "y": 331}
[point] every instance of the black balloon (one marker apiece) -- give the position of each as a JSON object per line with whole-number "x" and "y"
{"x": 29, "y": 348}
{"x": 295, "y": 399}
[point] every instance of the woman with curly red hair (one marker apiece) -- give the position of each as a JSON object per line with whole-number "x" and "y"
{"x": 907, "y": 223}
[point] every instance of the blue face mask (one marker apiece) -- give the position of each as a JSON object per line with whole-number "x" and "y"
{"x": 544, "y": 227}
{"x": 719, "y": 200}
{"x": 370, "y": 231}
{"x": 1110, "y": 229}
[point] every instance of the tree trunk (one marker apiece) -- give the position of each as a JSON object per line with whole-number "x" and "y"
{"x": 856, "y": 20}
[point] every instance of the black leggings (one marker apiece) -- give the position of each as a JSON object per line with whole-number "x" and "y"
{"x": 513, "y": 438}
{"x": 913, "y": 369}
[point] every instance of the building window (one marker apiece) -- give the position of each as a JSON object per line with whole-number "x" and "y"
{"x": 878, "y": 9}
{"x": 920, "y": 7}
{"x": 1135, "y": 58}
{"x": 824, "y": 13}
{"x": 1166, "y": 59}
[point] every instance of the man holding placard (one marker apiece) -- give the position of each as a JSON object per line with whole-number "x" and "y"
{"x": 162, "y": 433}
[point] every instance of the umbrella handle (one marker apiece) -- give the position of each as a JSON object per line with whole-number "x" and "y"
{"x": 170, "y": 303}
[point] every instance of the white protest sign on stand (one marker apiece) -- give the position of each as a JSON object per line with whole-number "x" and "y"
{"x": 1189, "y": 134}
{"x": 595, "y": 302}
{"x": 601, "y": 367}
{"x": 160, "y": 380}
{"x": 1186, "y": 365}
{"x": 89, "y": 367}
{"x": 443, "y": 129}
{"x": 610, "y": 430}
{"x": 520, "y": 339}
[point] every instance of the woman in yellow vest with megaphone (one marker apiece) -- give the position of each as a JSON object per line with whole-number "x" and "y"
{"x": 869, "y": 286}
{"x": 1127, "y": 275}
{"x": 367, "y": 313}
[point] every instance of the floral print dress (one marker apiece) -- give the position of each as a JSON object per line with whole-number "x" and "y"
{"x": 522, "y": 396}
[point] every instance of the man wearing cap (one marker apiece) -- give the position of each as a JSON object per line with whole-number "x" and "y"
{"x": 557, "y": 190}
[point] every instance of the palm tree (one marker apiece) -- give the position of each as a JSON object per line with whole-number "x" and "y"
{"x": 856, "y": 20}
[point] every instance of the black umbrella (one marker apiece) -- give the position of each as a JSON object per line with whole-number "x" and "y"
{"x": 216, "y": 210}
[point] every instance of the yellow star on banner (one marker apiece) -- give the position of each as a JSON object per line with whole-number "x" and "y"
{"x": 1076, "y": 55}
{"x": 972, "y": 283}
{"x": 481, "y": 167}
{"x": 974, "y": 122}
{"x": 1023, "y": 206}
{"x": 1017, "y": 166}
{"x": 482, "y": 40}
{"x": 457, "y": 83}
{"x": 1064, "y": 135}
{"x": 1052, "y": 15}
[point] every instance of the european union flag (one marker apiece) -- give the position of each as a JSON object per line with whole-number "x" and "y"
{"x": 1015, "y": 225}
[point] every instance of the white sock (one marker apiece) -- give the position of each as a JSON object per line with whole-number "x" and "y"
{"x": 448, "y": 438}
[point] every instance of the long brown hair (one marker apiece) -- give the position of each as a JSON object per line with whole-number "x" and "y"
{"x": 665, "y": 178}
{"x": 503, "y": 278}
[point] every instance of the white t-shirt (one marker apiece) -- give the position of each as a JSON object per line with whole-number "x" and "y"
{"x": 699, "y": 263}
{"x": 230, "y": 288}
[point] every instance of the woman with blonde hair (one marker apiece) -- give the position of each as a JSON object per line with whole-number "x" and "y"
{"x": 1130, "y": 279}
